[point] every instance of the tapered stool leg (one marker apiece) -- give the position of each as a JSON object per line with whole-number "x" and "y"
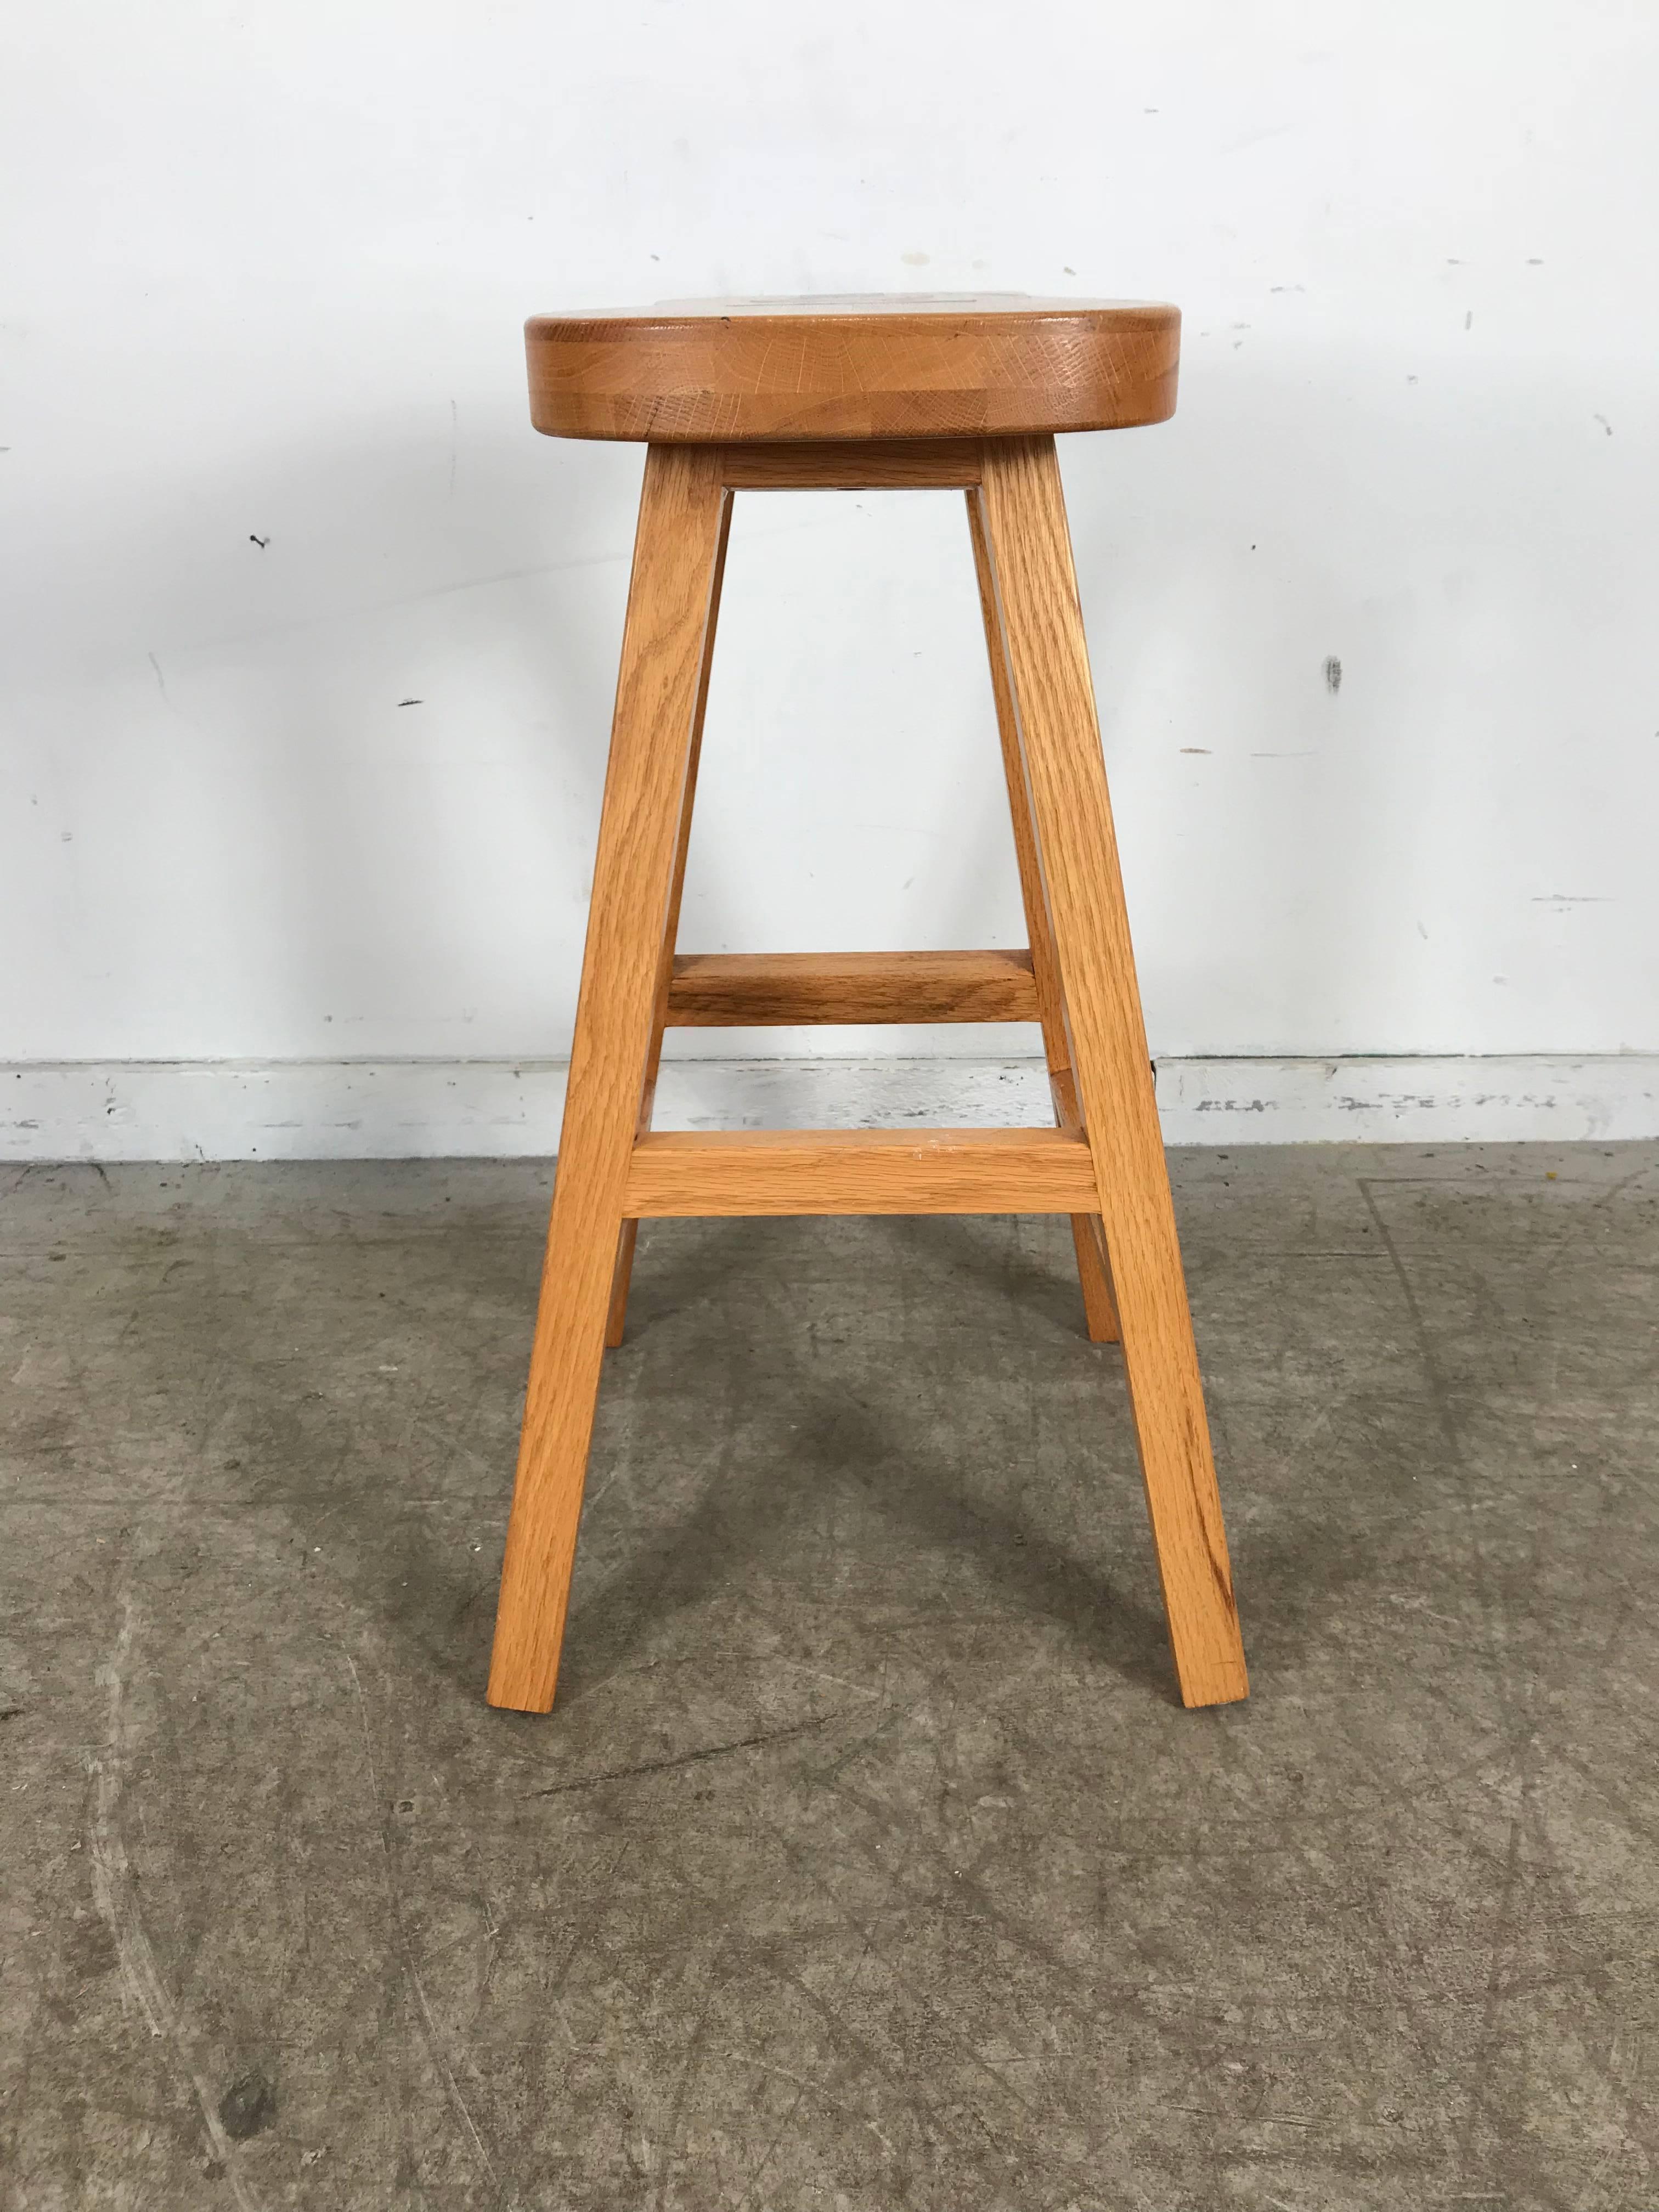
{"x": 1099, "y": 1310}
{"x": 676, "y": 562}
{"x": 618, "y": 1320}
{"x": 1023, "y": 515}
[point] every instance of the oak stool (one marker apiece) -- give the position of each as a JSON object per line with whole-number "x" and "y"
{"x": 848, "y": 394}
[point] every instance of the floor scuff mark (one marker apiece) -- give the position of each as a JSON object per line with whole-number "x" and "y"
{"x": 118, "y": 1907}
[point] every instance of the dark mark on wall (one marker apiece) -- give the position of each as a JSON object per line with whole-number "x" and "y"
{"x": 1606, "y": 425}
{"x": 1333, "y": 674}
{"x": 1194, "y": 749}
{"x": 411, "y": 702}
{"x": 260, "y": 542}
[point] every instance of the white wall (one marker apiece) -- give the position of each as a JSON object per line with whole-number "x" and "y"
{"x": 265, "y": 275}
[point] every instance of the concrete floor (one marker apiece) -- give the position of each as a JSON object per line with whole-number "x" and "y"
{"x": 867, "y": 1861}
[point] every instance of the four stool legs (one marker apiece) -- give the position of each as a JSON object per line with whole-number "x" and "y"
{"x": 1086, "y": 995}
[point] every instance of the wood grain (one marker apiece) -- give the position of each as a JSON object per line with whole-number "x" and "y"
{"x": 1094, "y": 1264}
{"x": 1088, "y": 1237}
{"x": 676, "y": 554}
{"x": 1024, "y": 514}
{"x": 784, "y": 1171}
{"x": 889, "y": 465}
{"x": 730, "y": 990}
{"x": 622, "y": 1278}
{"x": 724, "y": 371}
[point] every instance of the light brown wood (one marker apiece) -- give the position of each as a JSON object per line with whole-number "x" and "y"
{"x": 920, "y": 392}
{"x": 893, "y": 465}
{"x": 1024, "y": 514}
{"x": 1088, "y": 1238}
{"x": 931, "y": 366}
{"x": 731, "y": 1171}
{"x": 622, "y": 1275}
{"x": 732, "y": 990}
{"x": 1094, "y": 1265}
{"x": 675, "y": 558}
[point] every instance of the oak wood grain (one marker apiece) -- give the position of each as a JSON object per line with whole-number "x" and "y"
{"x": 1024, "y": 513}
{"x": 727, "y": 990}
{"x": 1088, "y": 1237}
{"x": 889, "y": 465}
{"x": 930, "y": 366}
{"x": 785, "y": 1171}
{"x": 676, "y": 555}
{"x": 622, "y": 1278}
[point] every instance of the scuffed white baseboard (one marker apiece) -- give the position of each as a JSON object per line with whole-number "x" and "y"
{"x": 1405, "y": 1100}
{"x": 428, "y": 1110}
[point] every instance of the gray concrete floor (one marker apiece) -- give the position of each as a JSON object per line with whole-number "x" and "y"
{"x": 867, "y": 1860}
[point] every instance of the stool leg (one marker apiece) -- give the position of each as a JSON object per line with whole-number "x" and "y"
{"x": 1099, "y": 1310}
{"x": 618, "y": 1320}
{"x": 1024, "y": 514}
{"x": 676, "y": 553}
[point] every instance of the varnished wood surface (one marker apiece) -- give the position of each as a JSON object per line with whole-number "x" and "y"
{"x": 777, "y": 1171}
{"x": 676, "y": 556}
{"x": 732, "y": 990}
{"x": 1094, "y": 1266}
{"x": 929, "y": 366}
{"x": 1088, "y": 1237}
{"x": 1104, "y": 1166}
{"x": 821, "y": 464}
{"x": 617, "y": 1317}
{"x": 1023, "y": 514}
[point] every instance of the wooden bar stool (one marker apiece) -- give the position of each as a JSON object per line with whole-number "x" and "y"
{"x": 849, "y": 394}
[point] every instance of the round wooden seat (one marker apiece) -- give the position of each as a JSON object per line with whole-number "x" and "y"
{"x": 724, "y": 372}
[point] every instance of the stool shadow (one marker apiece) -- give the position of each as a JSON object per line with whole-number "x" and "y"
{"x": 669, "y": 1276}
{"x": 1297, "y": 1566}
{"x": 833, "y": 1444}
{"x": 681, "y": 1569}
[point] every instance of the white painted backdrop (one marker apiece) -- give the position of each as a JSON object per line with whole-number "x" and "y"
{"x": 269, "y": 476}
